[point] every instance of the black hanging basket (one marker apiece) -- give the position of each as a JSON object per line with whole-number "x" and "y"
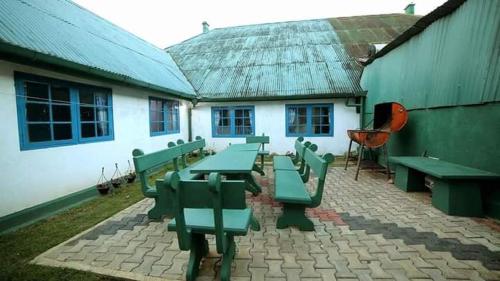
{"x": 130, "y": 177}
{"x": 117, "y": 179}
{"x": 103, "y": 185}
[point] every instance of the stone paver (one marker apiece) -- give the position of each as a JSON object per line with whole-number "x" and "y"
{"x": 364, "y": 230}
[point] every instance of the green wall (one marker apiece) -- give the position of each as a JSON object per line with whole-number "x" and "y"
{"x": 467, "y": 135}
{"x": 448, "y": 77}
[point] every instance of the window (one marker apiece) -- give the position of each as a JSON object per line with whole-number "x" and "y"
{"x": 163, "y": 116}
{"x": 237, "y": 121}
{"x": 53, "y": 112}
{"x": 309, "y": 120}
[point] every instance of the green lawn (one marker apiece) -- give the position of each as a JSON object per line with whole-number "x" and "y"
{"x": 18, "y": 248}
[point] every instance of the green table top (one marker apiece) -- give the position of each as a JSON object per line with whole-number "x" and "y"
{"x": 244, "y": 146}
{"x": 229, "y": 161}
{"x": 442, "y": 169}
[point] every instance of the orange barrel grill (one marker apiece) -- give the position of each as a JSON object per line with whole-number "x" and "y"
{"x": 387, "y": 118}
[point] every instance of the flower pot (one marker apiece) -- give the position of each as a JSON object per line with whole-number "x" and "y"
{"x": 103, "y": 188}
{"x": 131, "y": 177}
{"x": 116, "y": 183}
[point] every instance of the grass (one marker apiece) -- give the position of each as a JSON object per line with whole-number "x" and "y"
{"x": 18, "y": 248}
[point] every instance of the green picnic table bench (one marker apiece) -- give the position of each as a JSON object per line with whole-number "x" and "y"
{"x": 291, "y": 190}
{"x": 282, "y": 162}
{"x": 219, "y": 208}
{"x": 456, "y": 188}
{"x": 145, "y": 164}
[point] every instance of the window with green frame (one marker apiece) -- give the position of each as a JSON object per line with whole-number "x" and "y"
{"x": 54, "y": 112}
{"x": 163, "y": 116}
{"x": 309, "y": 120}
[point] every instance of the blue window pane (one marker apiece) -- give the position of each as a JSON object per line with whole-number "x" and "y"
{"x": 88, "y": 130}
{"x": 39, "y": 132}
{"x": 87, "y": 113}
{"x": 60, "y": 94}
{"x": 233, "y": 121}
{"x": 163, "y": 116}
{"x": 50, "y": 109}
{"x": 309, "y": 120}
{"x": 62, "y": 132}
{"x": 36, "y": 92}
{"x": 61, "y": 113}
{"x": 37, "y": 112}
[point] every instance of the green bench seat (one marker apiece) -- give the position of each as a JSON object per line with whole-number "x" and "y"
{"x": 456, "y": 188}
{"x": 295, "y": 191}
{"x": 146, "y": 164}
{"x": 282, "y": 162}
{"x": 290, "y": 189}
{"x": 202, "y": 220}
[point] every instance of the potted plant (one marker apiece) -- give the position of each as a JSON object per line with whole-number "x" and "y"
{"x": 103, "y": 185}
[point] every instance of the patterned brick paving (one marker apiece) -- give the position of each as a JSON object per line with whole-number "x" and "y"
{"x": 365, "y": 230}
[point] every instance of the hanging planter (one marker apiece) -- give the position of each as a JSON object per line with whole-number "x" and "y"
{"x": 117, "y": 178}
{"x": 130, "y": 177}
{"x": 103, "y": 185}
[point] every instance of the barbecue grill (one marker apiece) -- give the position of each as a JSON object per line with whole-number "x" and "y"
{"x": 388, "y": 118}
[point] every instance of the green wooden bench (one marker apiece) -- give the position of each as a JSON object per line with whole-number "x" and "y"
{"x": 219, "y": 208}
{"x": 282, "y": 162}
{"x": 291, "y": 190}
{"x": 146, "y": 164}
{"x": 263, "y": 140}
{"x": 456, "y": 188}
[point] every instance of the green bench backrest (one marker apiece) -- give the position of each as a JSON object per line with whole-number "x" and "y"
{"x": 300, "y": 149}
{"x": 212, "y": 193}
{"x": 257, "y": 139}
{"x": 144, "y": 163}
{"x": 189, "y": 147}
{"x": 319, "y": 165}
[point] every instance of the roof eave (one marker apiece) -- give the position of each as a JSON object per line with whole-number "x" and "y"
{"x": 279, "y": 98}
{"x": 28, "y": 56}
{"x": 441, "y": 11}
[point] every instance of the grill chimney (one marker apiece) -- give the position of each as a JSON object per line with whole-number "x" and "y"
{"x": 205, "y": 26}
{"x": 410, "y": 9}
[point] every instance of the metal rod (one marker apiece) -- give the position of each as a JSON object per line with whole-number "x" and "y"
{"x": 387, "y": 162}
{"x": 348, "y": 155}
{"x": 359, "y": 161}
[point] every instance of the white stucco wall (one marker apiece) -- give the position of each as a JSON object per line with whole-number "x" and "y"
{"x": 270, "y": 120}
{"x": 31, "y": 177}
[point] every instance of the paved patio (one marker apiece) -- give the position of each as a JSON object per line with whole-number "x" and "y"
{"x": 364, "y": 230}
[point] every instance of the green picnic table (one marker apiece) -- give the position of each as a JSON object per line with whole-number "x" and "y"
{"x": 237, "y": 161}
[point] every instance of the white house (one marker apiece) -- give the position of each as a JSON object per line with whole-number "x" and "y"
{"x": 78, "y": 93}
{"x": 284, "y": 79}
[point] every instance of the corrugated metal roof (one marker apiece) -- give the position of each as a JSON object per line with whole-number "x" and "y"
{"x": 61, "y": 31}
{"x": 300, "y": 59}
{"x": 455, "y": 61}
{"x": 358, "y": 32}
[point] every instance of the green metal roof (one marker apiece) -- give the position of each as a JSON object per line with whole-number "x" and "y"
{"x": 61, "y": 33}
{"x": 284, "y": 60}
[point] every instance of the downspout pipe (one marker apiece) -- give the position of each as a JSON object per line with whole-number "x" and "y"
{"x": 194, "y": 102}
{"x": 359, "y": 105}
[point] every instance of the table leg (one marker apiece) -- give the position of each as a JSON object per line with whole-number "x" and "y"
{"x": 258, "y": 169}
{"x": 253, "y": 186}
{"x": 254, "y": 224}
